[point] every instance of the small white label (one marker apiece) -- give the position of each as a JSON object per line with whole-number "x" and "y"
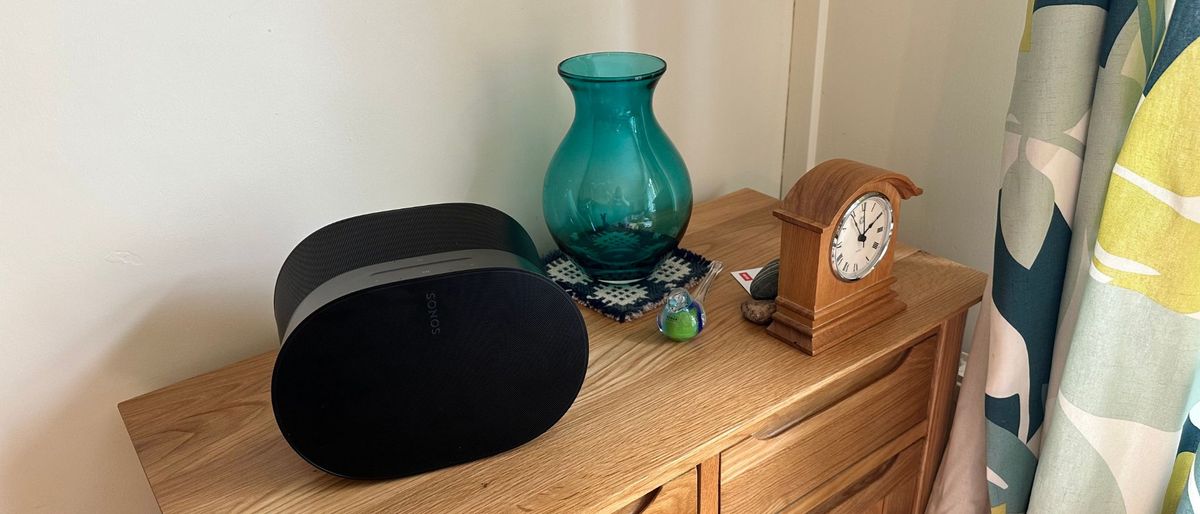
{"x": 745, "y": 277}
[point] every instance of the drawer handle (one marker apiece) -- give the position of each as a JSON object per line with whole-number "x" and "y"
{"x": 804, "y": 414}
{"x": 639, "y": 506}
{"x": 856, "y": 487}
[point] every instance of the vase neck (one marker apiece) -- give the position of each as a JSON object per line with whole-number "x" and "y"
{"x": 613, "y": 99}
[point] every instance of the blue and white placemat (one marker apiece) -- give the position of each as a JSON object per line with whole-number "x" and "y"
{"x": 625, "y": 302}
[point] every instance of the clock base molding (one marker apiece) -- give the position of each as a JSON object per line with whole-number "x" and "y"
{"x": 817, "y": 332}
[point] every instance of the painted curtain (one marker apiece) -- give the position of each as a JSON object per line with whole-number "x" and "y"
{"x": 1084, "y": 362}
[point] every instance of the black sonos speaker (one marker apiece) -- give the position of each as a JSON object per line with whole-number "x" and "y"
{"x": 420, "y": 338}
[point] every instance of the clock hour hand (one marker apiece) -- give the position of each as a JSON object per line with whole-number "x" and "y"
{"x": 864, "y": 209}
{"x": 862, "y": 234}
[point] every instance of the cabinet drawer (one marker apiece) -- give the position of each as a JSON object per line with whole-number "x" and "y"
{"x": 887, "y": 487}
{"x": 679, "y": 496}
{"x": 780, "y": 465}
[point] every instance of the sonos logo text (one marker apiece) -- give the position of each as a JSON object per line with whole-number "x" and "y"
{"x": 431, "y": 308}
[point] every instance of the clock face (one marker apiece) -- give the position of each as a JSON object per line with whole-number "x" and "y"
{"x": 861, "y": 237}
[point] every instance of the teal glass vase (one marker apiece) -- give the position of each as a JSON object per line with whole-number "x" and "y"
{"x": 617, "y": 196}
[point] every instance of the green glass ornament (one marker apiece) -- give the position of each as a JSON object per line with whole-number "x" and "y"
{"x": 683, "y": 316}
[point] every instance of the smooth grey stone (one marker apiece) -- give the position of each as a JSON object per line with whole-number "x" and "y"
{"x": 765, "y": 285}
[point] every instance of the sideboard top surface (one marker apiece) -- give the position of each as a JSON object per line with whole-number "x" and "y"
{"x": 650, "y": 409}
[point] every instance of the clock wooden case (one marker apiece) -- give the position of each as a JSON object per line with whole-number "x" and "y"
{"x": 816, "y": 309}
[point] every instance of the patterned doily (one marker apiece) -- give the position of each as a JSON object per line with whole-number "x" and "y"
{"x": 625, "y": 302}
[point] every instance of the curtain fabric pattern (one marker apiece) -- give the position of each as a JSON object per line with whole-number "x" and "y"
{"x": 1084, "y": 361}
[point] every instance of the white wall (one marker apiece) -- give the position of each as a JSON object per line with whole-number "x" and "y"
{"x": 159, "y": 159}
{"x": 921, "y": 88}
{"x": 806, "y": 76}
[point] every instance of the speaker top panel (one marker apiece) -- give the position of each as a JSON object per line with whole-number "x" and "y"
{"x": 393, "y": 235}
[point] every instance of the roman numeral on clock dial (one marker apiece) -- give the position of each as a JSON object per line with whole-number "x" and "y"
{"x": 861, "y": 237}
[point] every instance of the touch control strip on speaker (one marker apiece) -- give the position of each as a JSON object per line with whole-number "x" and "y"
{"x": 400, "y": 270}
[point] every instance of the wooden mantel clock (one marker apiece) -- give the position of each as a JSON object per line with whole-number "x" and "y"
{"x": 835, "y": 262}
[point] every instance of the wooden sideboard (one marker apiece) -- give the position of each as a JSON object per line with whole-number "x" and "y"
{"x": 734, "y": 421}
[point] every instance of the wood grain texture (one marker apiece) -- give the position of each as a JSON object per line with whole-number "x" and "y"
{"x": 888, "y": 489}
{"x": 900, "y": 499}
{"x": 822, "y": 194}
{"x": 861, "y": 378}
{"x": 862, "y": 480}
{"x": 766, "y": 475}
{"x": 710, "y": 485}
{"x": 941, "y": 405}
{"x": 679, "y": 496}
{"x": 649, "y": 411}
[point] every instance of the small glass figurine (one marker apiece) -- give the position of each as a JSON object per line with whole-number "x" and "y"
{"x": 683, "y": 318}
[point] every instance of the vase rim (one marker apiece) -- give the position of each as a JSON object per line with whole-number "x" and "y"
{"x": 612, "y": 67}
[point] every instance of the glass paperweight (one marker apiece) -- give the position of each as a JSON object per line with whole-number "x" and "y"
{"x": 617, "y": 196}
{"x": 683, "y": 317}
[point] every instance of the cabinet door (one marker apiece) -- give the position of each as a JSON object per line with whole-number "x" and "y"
{"x": 679, "y": 496}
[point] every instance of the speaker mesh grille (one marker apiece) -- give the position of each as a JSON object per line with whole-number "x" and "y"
{"x": 390, "y": 235}
{"x": 365, "y": 389}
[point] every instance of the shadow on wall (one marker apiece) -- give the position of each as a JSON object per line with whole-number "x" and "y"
{"x": 484, "y": 124}
{"x": 525, "y": 115}
{"x": 76, "y": 456}
{"x": 692, "y": 89}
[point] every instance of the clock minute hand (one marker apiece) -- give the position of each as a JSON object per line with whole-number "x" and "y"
{"x": 874, "y": 220}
